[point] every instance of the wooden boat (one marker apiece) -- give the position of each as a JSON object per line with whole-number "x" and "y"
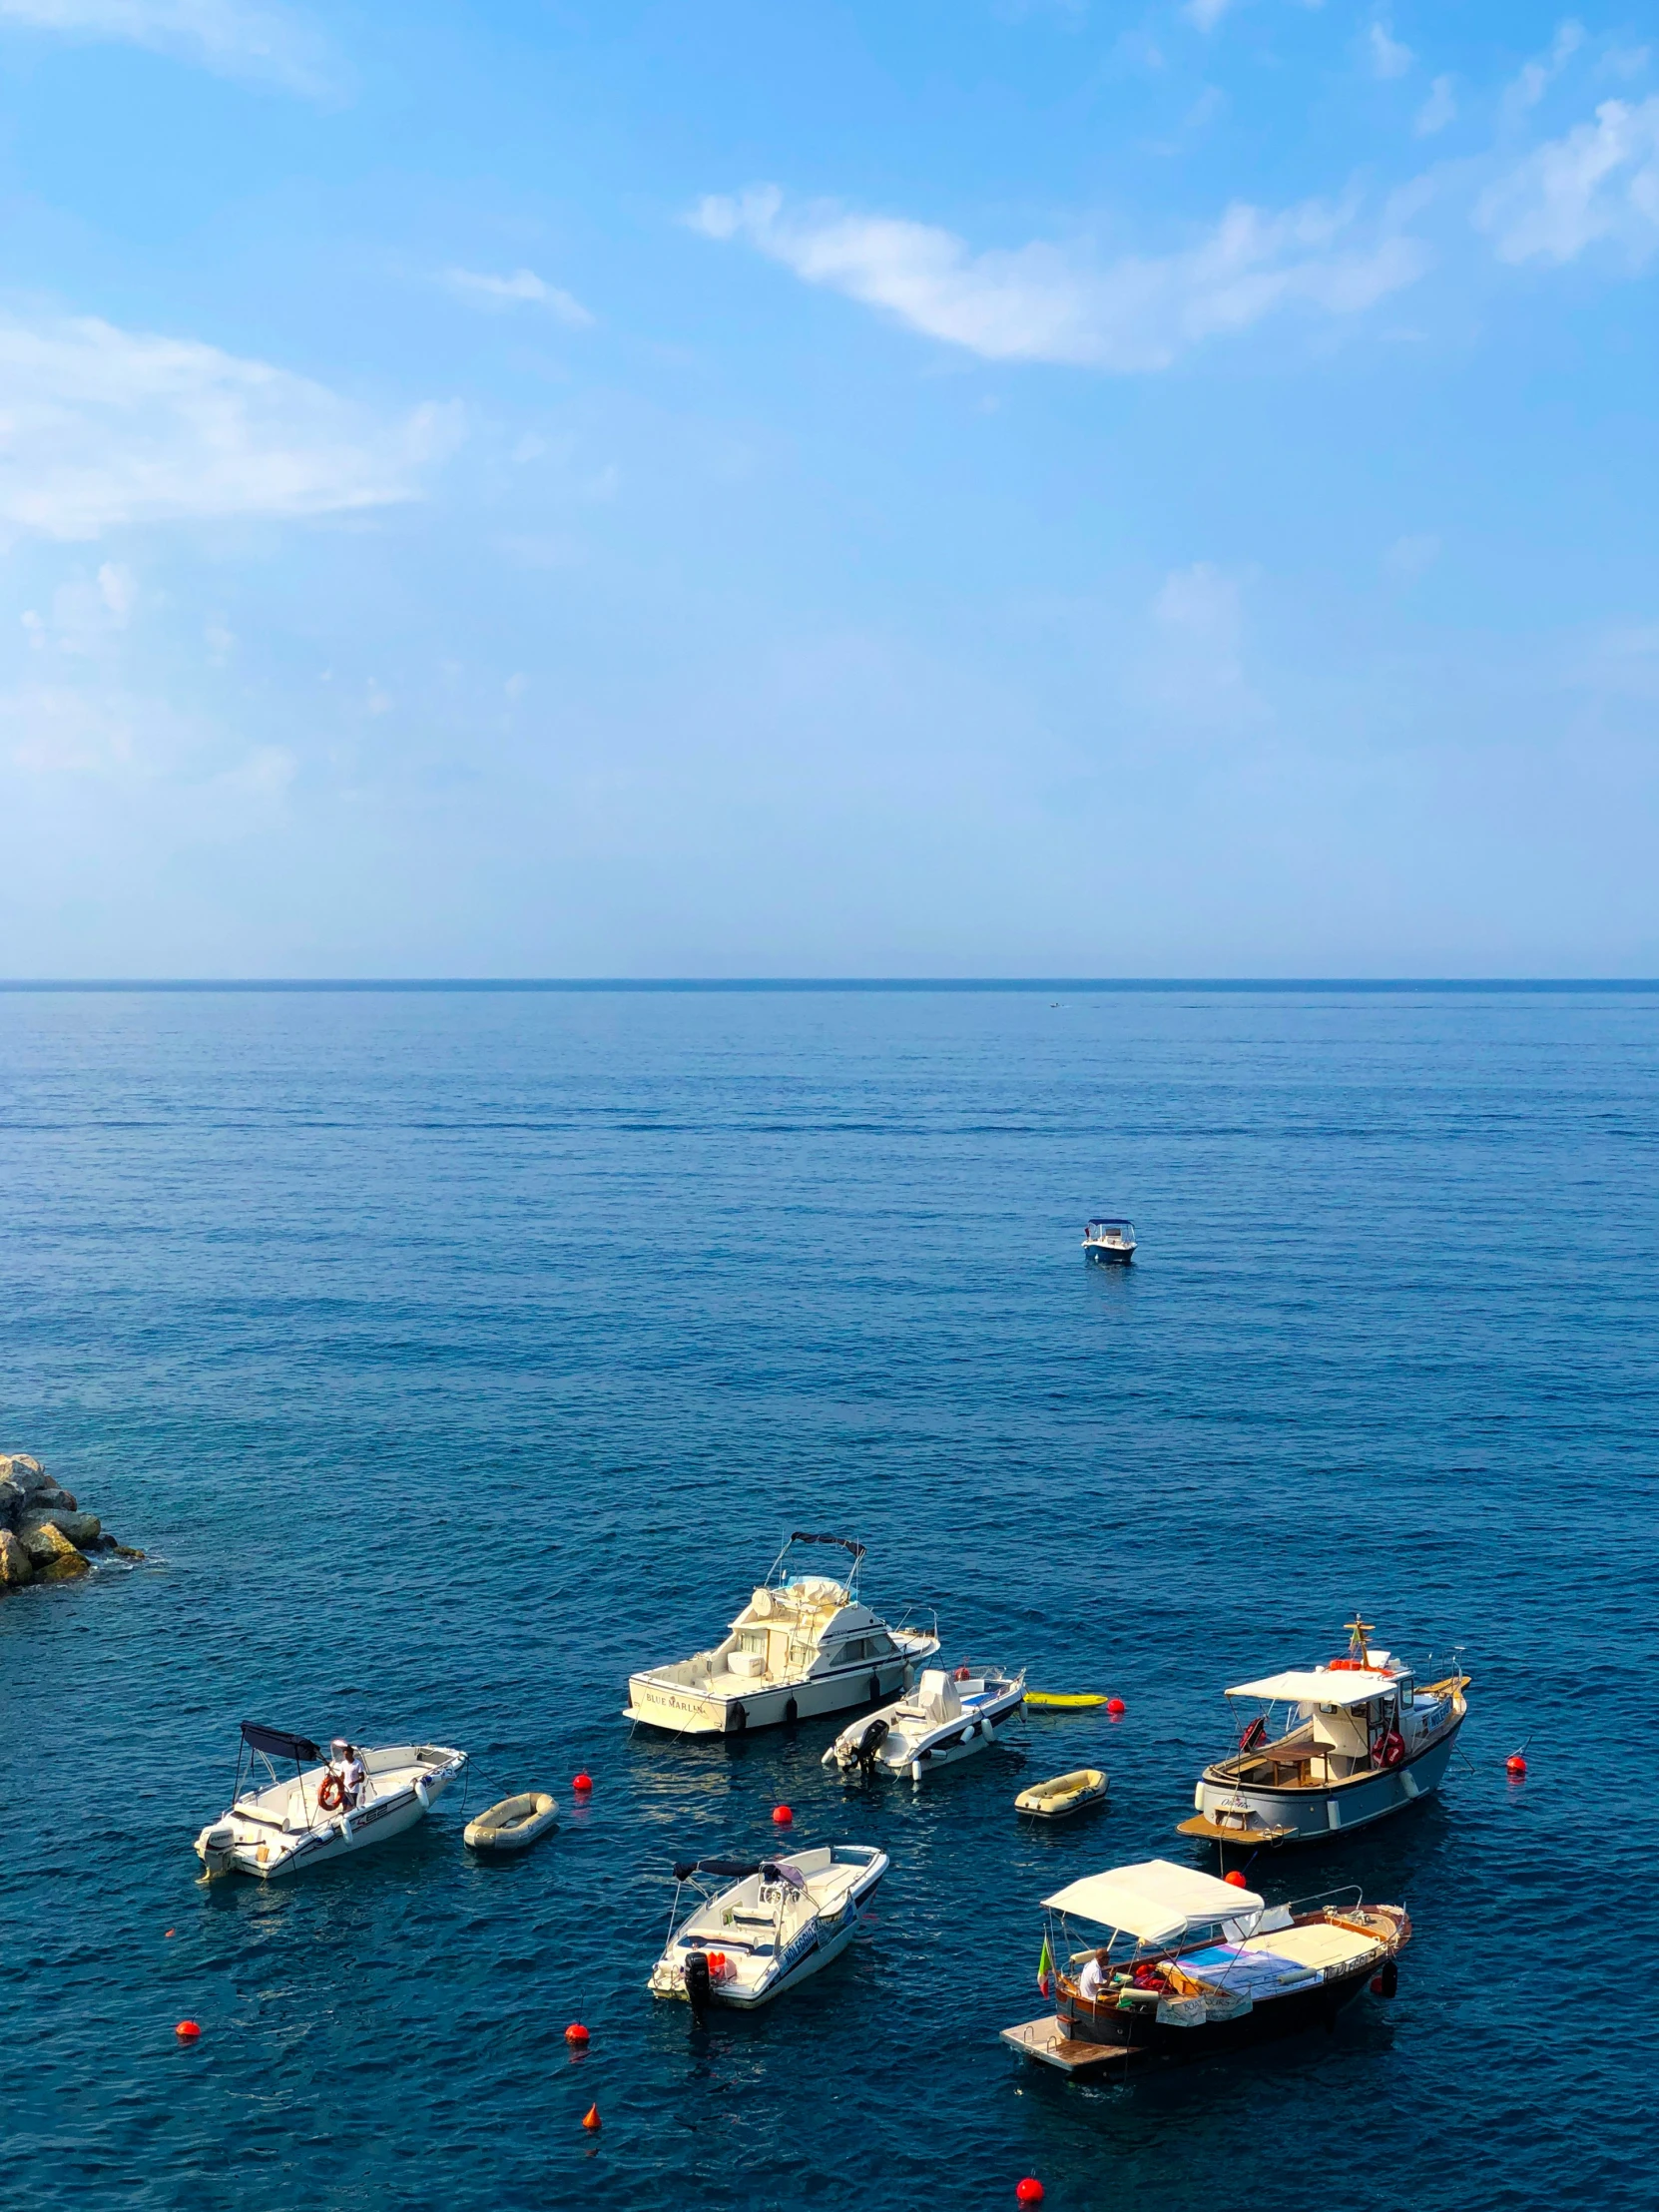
{"x": 804, "y": 1645}
{"x": 1192, "y": 1966}
{"x": 1062, "y": 1702}
{"x": 513, "y": 1825}
{"x": 1330, "y": 1749}
{"x": 1067, "y": 1794}
{"x": 1109, "y": 1241}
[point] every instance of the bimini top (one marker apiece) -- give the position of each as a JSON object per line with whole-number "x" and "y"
{"x": 1319, "y": 1686}
{"x": 276, "y": 1743}
{"x": 1108, "y": 1220}
{"x": 1156, "y": 1901}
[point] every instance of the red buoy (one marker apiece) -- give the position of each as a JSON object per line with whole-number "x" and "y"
{"x": 187, "y": 2030}
{"x": 781, "y": 1816}
{"x": 590, "y": 2118}
{"x": 169, "y": 1931}
{"x": 1236, "y": 1879}
{"x": 1029, "y": 2191}
{"x": 1515, "y": 1763}
{"x": 576, "y": 2032}
{"x": 1116, "y": 1707}
{"x": 582, "y": 1784}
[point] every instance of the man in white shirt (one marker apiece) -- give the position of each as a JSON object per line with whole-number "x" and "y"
{"x": 1089, "y": 1981}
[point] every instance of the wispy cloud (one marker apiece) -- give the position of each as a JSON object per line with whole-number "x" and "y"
{"x": 1205, "y": 13}
{"x": 101, "y": 427}
{"x": 1598, "y": 181}
{"x": 524, "y": 289}
{"x": 1389, "y": 58}
{"x": 236, "y": 38}
{"x": 1540, "y": 73}
{"x": 1046, "y": 303}
{"x": 1439, "y": 109}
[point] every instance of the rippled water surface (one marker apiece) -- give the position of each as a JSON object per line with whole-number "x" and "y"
{"x": 451, "y": 1355}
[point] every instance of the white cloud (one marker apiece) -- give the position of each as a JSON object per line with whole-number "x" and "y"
{"x": 1540, "y": 74}
{"x": 1192, "y": 670}
{"x": 1044, "y": 302}
{"x": 1205, "y": 13}
{"x": 522, "y": 289}
{"x": 101, "y": 427}
{"x": 1439, "y": 109}
{"x": 1389, "y": 58}
{"x": 1600, "y": 180}
{"x": 235, "y": 38}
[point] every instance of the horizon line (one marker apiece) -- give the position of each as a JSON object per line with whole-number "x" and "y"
{"x": 787, "y": 983}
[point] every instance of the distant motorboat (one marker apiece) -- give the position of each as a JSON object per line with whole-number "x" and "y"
{"x": 302, "y": 1822}
{"x": 773, "y": 1924}
{"x": 1330, "y": 1749}
{"x": 1109, "y": 1241}
{"x": 804, "y": 1645}
{"x": 947, "y": 1717}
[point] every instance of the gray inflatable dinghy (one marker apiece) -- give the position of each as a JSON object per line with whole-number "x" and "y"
{"x": 515, "y": 1824}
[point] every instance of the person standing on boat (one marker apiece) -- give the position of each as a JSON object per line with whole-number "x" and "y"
{"x": 353, "y": 1776}
{"x": 1089, "y": 1981}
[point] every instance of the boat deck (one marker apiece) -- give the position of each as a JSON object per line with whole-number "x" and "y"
{"x": 1047, "y": 2042}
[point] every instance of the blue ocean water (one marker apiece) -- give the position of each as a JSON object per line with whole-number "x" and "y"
{"x": 453, "y": 1354}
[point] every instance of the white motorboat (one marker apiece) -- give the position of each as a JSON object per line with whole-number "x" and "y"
{"x": 804, "y": 1645}
{"x": 318, "y": 1814}
{"x": 777, "y": 1922}
{"x": 948, "y": 1717}
{"x": 1109, "y": 1241}
{"x": 1331, "y": 1748}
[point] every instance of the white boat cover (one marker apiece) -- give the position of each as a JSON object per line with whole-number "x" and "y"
{"x": 937, "y": 1696}
{"x": 1155, "y": 1901}
{"x": 1316, "y": 1686}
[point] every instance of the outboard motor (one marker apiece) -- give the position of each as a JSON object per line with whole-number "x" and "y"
{"x": 870, "y": 1743}
{"x": 216, "y": 1848}
{"x": 697, "y": 1987}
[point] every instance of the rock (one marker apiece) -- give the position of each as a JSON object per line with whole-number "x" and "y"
{"x": 64, "y": 1568}
{"x": 13, "y": 1500}
{"x": 16, "y": 1568}
{"x": 126, "y": 1551}
{"x": 27, "y": 1472}
{"x": 81, "y": 1528}
{"x": 45, "y": 1542}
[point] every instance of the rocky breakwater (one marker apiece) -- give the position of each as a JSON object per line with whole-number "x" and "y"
{"x": 44, "y": 1535}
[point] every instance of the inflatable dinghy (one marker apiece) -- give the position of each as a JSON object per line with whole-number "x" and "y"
{"x": 1067, "y": 1793}
{"x": 515, "y": 1824}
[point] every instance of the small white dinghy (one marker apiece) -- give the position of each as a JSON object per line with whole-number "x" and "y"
{"x": 513, "y": 1825}
{"x": 947, "y": 1717}
{"x": 1067, "y": 1794}
{"x": 320, "y": 1814}
{"x": 780, "y": 1920}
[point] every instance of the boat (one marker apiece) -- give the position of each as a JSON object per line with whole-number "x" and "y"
{"x": 804, "y": 1645}
{"x": 1109, "y": 1241}
{"x": 1330, "y": 1749}
{"x": 303, "y": 1821}
{"x": 947, "y": 1717}
{"x": 1061, "y": 1701}
{"x": 775, "y": 1923}
{"x": 1193, "y": 1965}
{"x": 1067, "y": 1794}
{"x": 513, "y": 1825}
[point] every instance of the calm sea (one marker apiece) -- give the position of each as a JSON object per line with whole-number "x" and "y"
{"x": 453, "y": 1354}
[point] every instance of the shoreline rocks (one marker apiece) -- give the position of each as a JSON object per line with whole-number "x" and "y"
{"x": 44, "y": 1534}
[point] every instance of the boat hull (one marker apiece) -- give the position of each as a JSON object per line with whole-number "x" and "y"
{"x": 1283, "y": 1814}
{"x": 1109, "y": 1255}
{"x": 685, "y": 1711}
{"x": 1139, "y": 2030}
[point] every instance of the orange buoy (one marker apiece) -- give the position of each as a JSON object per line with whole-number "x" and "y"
{"x": 1515, "y": 1763}
{"x": 576, "y": 2032}
{"x": 1116, "y": 1707}
{"x": 188, "y": 2030}
{"x": 782, "y": 1815}
{"x": 590, "y": 2118}
{"x": 169, "y": 1931}
{"x": 1029, "y": 2191}
{"x": 582, "y": 1784}
{"x": 1236, "y": 1879}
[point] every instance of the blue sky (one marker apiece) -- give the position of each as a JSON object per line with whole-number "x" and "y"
{"x": 937, "y": 486}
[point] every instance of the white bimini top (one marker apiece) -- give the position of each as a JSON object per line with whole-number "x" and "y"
{"x": 1155, "y": 1901}
{"x": 1319, "y": 1686}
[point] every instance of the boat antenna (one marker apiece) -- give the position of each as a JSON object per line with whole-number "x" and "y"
{"x": 1357, "y": 1632}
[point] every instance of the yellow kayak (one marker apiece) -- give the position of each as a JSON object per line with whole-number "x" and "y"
{"x": 1055, "y": 1697}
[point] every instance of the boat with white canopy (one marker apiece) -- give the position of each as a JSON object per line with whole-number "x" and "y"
{"x": 774, "y": 1922}
{"x": 1109, "y": 1241}
{"x": 1328, "y": 1749}
{"x": 1191, "y": 1965}
{"x": 945, "y": 1718}
{"x": 354, "y": 1798}
{"x": 804, "y": 1645}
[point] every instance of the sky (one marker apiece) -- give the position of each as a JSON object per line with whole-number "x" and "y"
{"x": 916, "y": 487}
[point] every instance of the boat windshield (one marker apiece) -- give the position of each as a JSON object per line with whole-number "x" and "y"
{"x": 782, "y": 1572}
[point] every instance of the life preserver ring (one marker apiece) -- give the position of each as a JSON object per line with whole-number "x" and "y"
{"x": 330, "y": 1796}
{"x": 1390, "y": 1751}
{"x": 1253, "y": 1735}
{"x": 962, "y": 1675}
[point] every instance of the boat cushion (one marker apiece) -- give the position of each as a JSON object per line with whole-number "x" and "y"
{"x": 1320, "y": 1946}
{"x": 1244, "y": 1971}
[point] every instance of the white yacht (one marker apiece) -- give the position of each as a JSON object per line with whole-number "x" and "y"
{"x": 305, "y": 1820}
{"x": 777, "y": 1920}
{"x": 1109, "y": 1240}
{"x": 804, "y": 1645}
{"x": 947, "y": 1717}
{"x": 1330, "y": 1748}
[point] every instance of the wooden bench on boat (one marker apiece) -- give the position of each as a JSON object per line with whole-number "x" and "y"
{"x": 1047, "y": 2041}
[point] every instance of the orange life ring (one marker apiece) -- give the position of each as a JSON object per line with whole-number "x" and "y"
{"x": 330, "y": 1794}
{"x": 1391, "y": 1752}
